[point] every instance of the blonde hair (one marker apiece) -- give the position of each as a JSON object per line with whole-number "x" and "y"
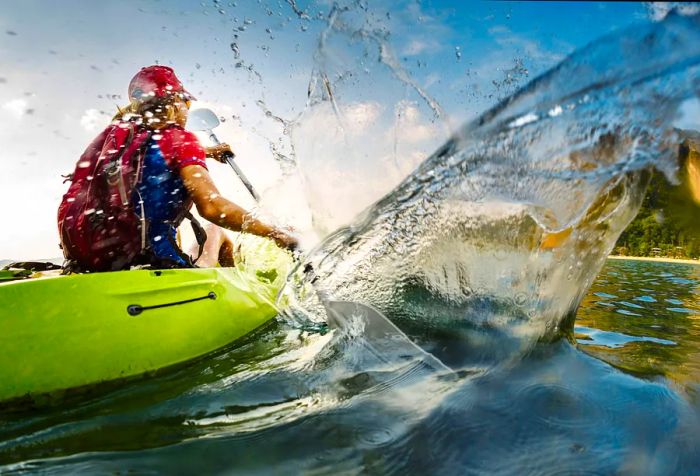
{"x": 154, "y": 113}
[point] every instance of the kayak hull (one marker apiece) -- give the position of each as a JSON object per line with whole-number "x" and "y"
{"x": 116, "y": 325}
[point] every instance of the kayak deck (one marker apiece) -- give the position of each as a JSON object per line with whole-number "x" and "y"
{"x": 73, "y": 331}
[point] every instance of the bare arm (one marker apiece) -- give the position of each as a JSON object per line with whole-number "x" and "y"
{"x": 220, "y": 211}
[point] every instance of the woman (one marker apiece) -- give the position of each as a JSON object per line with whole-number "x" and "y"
{"x": 172, "y": 175}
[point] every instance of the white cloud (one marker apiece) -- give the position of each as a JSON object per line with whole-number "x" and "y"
{"x": 431, "y": 79}
{"x": 418, "y": 46}
{"x": 411, "y": 127}
{"x": 415, "y": 47}
{"x": 505, "y": 38}
{"x": 17, "y": 107}
{"x": 93, "y": 119}
{"x": 346, "y": 168}
{"x": 659, "y": 10}
{"x": 361, "y": 115}
{"x": 498, "y": 29}
{"x": 689, "y": 117}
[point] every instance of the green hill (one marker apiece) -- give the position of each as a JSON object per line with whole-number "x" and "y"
{"x": 668, "y": 223}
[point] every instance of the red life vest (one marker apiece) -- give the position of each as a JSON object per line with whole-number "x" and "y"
{"x": 100, "y": 219}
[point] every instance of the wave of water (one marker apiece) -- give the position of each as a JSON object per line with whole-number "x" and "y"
{"x": 507, "y": 224}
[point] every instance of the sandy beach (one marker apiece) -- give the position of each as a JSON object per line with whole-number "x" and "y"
{"x": 659, "y": 259}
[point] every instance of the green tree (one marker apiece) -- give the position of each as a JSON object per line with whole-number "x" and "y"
{"x": 668, "y": 218}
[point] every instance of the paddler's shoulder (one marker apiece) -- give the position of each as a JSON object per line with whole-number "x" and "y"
{"x": 177, "y": 134}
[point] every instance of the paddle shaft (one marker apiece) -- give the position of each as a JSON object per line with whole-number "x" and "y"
{"x": 229, "y": 156}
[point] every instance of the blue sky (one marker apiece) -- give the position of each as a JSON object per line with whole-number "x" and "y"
{"x": 66, "y": 65}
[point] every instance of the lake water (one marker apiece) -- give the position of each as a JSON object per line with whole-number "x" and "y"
{"x": 644, "y": 318}
{"x": 622, "y": 398}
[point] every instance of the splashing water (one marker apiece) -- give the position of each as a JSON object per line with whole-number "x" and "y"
{"x": 356, "y": 79}
{"x": 507, "y": 224}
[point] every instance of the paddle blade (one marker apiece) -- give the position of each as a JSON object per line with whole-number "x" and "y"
{"x": 381, "y": 335}
{"x": 202, "y": 120}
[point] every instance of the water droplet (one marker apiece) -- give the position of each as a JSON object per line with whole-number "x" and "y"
{"x": 555, "y": 111}
{"x": 236, "y": 51}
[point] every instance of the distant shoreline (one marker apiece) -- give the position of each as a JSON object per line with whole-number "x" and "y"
{"x": 657, "y": 259}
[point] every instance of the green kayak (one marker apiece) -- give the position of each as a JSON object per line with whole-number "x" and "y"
{"x": 62, "y": 332}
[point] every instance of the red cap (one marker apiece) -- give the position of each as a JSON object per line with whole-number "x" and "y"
{"x": 155, "y": 81}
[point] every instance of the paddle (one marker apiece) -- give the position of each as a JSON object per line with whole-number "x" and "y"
{"x": 204, "y": 120}
{"x": 377, "y": 329}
